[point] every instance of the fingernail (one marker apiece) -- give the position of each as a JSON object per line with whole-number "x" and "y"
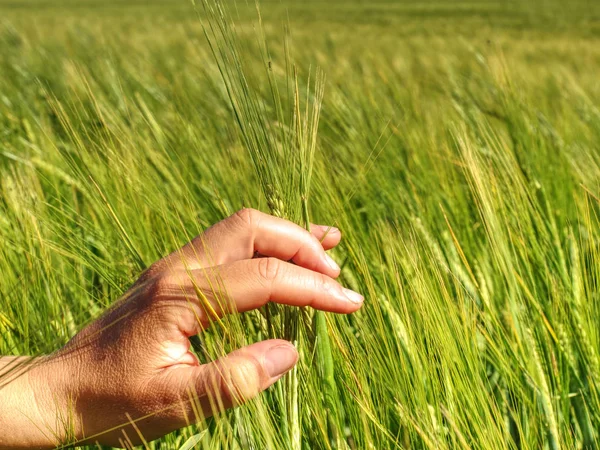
{"x": 280, "y": 359}
{"x": 354, "y": 297}
{"x": 331, "y": 263}
{"x": 329, "y": 230}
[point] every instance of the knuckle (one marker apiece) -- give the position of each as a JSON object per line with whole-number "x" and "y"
{"x": 235, "y": 379}
{"x": 247, "y": 217}
{"x": 323, "y": 283}
{"x": 153, "y": 271}
{"x": 164, "y": 286}
{"x": 161, "y": 284}
{"x": 244, "y": 379}
{"x": 269, "y": 269}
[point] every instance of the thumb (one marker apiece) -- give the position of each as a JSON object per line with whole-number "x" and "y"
{"x": 237, "y": 377}
{"x": 183, "y": 395}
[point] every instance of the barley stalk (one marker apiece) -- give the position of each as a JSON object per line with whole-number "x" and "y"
{"x": 283, "y": 162}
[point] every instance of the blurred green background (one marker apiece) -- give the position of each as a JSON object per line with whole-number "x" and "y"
{"x": 458, "y": 152}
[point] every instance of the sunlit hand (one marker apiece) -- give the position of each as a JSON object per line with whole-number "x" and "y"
{"x": 131, "y": 372}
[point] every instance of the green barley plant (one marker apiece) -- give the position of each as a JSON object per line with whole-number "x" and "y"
{"x": 457, "y": 151}
{"x": 281, "y": 138}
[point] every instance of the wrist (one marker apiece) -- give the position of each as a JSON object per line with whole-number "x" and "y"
{"x": 33, "y": 404}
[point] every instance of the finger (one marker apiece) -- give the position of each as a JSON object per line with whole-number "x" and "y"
{"x": 328, "y": 236}
{"x": 252, "y": 284}
{"x": 244, "y": 373}
{"x": 205, "y": 390}
{"x": 185, "y": 394}
{"x": 246, "y": 285}
{"x": 249, "y": 231}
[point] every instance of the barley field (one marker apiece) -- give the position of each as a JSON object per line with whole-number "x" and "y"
{"x": 457, "y": 149}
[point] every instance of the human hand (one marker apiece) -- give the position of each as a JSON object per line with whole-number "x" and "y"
{"x": 131, "y": 372}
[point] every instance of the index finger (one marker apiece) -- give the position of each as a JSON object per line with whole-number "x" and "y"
{"x": 249, "y": 232}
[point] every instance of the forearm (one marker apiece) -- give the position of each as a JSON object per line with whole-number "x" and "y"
{"x": 27, "y": 419}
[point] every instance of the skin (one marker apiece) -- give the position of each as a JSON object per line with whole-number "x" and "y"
{"x": 131, "y": 372}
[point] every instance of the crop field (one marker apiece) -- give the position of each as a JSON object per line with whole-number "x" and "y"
{"x": 457, "y": 150}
